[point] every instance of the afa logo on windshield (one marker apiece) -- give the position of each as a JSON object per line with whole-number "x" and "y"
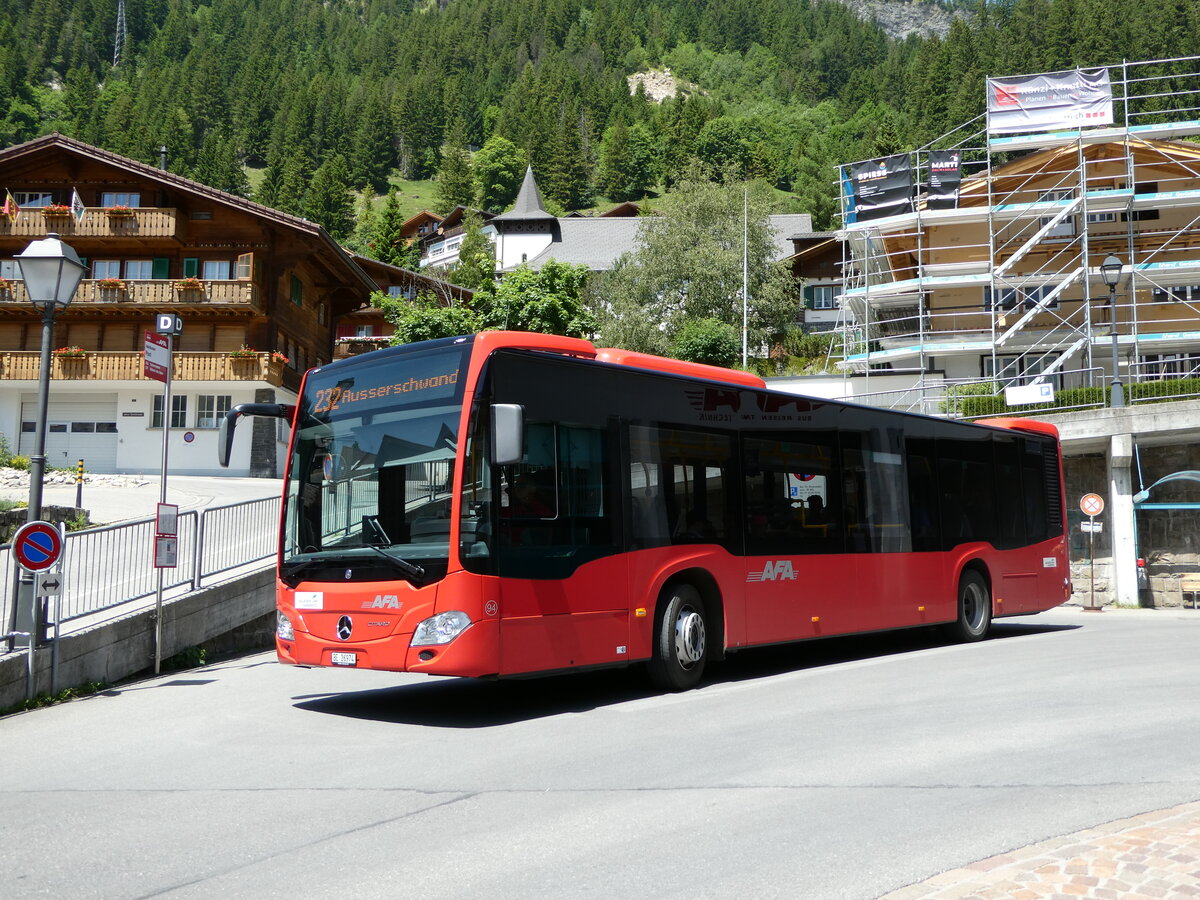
{"x": 774, "y": 570}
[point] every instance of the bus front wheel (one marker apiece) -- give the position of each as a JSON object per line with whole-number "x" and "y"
{"x": 974, "y": 608}
{"x": 681, "y": 639}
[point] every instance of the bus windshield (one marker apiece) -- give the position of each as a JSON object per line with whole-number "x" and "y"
{"x": 370, "y": 477}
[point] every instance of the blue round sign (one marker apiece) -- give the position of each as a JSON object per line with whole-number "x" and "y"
{"x": 37, "y": 546}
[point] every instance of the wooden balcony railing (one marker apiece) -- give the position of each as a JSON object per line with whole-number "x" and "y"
{"x": 156, "y": 293}
{"x": 143, "y": 222}
{"x": 127, "y": 366}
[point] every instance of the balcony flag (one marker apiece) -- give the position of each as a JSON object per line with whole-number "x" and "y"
{"x": 78, "y": 210}
{"x": 1073, "y": 99}
{"x": 11, "y": 210}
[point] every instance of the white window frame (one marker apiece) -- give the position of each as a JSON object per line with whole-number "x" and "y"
{"x": 1065, "y": 228}
{"x": 121, "y": 198}
{"x": 824, "y": 296}
{"x": 216, "y": 270}
{"x": 211, "y": 408}
{"x": 106, "y": 268}
{"x": 33, "y": 198}
{"x": 178, "y": 411}
{"x": 134, "y": 269}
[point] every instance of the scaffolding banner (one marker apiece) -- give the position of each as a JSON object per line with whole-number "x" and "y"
{"x": 945, "y": 174}
{"x": 882, "y": 187}
{"x": 1042, "y": 102}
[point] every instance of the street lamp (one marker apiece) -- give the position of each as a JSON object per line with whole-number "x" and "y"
{"x": 51, "y": 271}
{"x": 1110, "y": 270}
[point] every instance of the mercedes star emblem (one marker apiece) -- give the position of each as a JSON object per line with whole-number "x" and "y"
{"x": 345, "y": 626}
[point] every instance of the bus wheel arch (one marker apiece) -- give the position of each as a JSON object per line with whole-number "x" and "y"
{"x": 688, "y": 630}
{"x": 974, "y": 603}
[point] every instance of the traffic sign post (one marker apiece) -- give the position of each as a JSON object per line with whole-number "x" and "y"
{"x": 1091, "y": 505}
{"x": 37, "y": 546}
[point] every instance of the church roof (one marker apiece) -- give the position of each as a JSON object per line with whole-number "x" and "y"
{"x": 528, "y": 205}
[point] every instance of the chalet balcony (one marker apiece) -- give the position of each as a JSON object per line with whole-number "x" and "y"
{"x": 130, "y": 295}
{"x": 127, "y": 366}
{"x": 142, "y": 222}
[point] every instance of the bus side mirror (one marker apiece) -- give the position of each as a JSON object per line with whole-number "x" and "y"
{"x": 508, "y": 433}
{"x": 229, "y": 422}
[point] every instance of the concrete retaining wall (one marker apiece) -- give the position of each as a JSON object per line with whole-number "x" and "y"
{"x": 116, "y": 650}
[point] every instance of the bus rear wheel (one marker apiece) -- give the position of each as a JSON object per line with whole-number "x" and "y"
{"x": 974, "y": 608}
{"x": 681, "y": 640}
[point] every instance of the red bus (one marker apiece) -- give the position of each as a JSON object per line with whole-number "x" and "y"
{"x": 506, "y": 504}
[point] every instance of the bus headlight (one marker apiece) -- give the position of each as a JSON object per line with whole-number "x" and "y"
{"x": 441, "y": 629}
{"x": 283, "y": 628}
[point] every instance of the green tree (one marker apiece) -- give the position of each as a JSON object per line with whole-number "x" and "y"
{"x": 548, "y": 300}
{"x": 626, "y": 163}
{"x": 455, "y": 182}
{"x": 689, "y": 266}
{"x": 499, "y": 167}
{"x": 425, "y": 318}
{"x": 388, "y": 246}
{"x": 707, "y": 341}
{"x": 328, "y": 201}
{"x": 476, "y": 266}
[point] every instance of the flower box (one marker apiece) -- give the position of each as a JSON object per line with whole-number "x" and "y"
{"x": 70, "y": 353}
{"x": 112, "y": 284}
{"x": 277, "y": 357}
{"x": 189, "y": 283}
{"x": 243, "y": 353}
{"x": 118, "y": 212}
{"x": 56, "y": 210}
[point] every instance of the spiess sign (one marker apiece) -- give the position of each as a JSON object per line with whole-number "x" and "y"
{"x": 158, "y": 357}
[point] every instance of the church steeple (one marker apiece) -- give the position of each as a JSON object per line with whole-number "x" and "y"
{"x": 528, "y": 205}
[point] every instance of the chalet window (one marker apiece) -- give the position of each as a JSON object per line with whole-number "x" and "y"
{"x": 1015, "y": 370}
{"x": 106, "y": 268}
{"x": 297, "y": 294}
{"x": 1065, "y": 228}
{"x": 245, "y": 266}
{"x": 178, "y": 411}
{"x": 1099, "y": 217}
{"x": 9, "y": 269}
{"x": 211, "y": 408}
{"x": 116, "y": 198}
{"x": 321, "y": 313}
{"x": 216, "y": 270}
{"x": 139, "y": 269}
{"x": 823, "y": 296}
{"x": 402, "y": 291}
{"x": 33, "y": 198}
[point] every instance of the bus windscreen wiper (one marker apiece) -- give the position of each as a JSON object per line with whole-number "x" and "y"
{"x": 289, "y": 571}
{"x": 412, "y": 570}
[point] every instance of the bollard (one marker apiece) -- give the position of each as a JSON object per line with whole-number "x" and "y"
{"x": 79, "y": 485}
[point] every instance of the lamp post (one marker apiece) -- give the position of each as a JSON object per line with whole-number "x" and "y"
{"x": 1110, "y": 270}
{"x": 51, "y": 271}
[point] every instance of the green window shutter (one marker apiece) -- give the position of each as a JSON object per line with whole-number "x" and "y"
{"x": 809, "y": 298}
{"x": 297, "y": 291}
{"x": 84, "y": 260}
{"x": 160, "y": 267}
{"x": 191, "y": 267}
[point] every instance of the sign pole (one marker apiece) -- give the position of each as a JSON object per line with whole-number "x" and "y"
{"x": 162, "y": 498}
{"x": 1091, "y": 505}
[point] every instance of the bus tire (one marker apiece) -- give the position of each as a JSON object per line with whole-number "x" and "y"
{"x": 974, "y": 608}
{"x": 681, "y": 639}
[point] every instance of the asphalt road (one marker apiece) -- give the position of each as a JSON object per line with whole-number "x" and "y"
{"x": 840, "y": 769}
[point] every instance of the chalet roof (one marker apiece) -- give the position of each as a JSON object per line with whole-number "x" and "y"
{"x": 56, "y": 141}
{"x": 622, "y": 210}
{"x": 456, "y": 215}
{"x": 597, "y": 242}
{"x": 423, "y": 215}
{"x": 528, "y": 205}
{"x": 399, "y": 275}
{"x": 592, "y": 242}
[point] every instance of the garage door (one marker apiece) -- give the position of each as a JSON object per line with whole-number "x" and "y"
{"x": 80, "y": 426}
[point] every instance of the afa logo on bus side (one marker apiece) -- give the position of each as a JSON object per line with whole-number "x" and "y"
{"x": 774, "y": 570}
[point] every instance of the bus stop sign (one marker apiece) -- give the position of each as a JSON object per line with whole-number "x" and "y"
{"x": 37, "y": 546}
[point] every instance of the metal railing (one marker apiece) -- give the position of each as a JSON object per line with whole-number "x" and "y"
{"x": 112, "y": 567}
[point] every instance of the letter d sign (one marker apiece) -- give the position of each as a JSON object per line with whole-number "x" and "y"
{"x": 169, "y": 323}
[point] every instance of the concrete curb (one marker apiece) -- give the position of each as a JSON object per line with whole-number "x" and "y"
{"x": 120, "y": 648}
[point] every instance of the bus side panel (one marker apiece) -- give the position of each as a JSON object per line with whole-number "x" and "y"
{"x": 581, "y": 620}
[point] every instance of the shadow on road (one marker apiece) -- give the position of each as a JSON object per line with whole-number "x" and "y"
{"x": 469, "y": 703}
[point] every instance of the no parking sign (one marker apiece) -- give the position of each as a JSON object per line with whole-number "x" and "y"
{"x": 37, "y": 546}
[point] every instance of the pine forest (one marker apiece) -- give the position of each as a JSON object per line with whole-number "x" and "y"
{"x": 299, "y": 103}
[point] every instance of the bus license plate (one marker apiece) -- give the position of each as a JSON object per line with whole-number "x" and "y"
{"x": 343, "y": 659}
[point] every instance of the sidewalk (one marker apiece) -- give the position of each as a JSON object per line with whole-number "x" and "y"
{"x": 1154, "y": 855}
{"x": 116, "y": 498}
